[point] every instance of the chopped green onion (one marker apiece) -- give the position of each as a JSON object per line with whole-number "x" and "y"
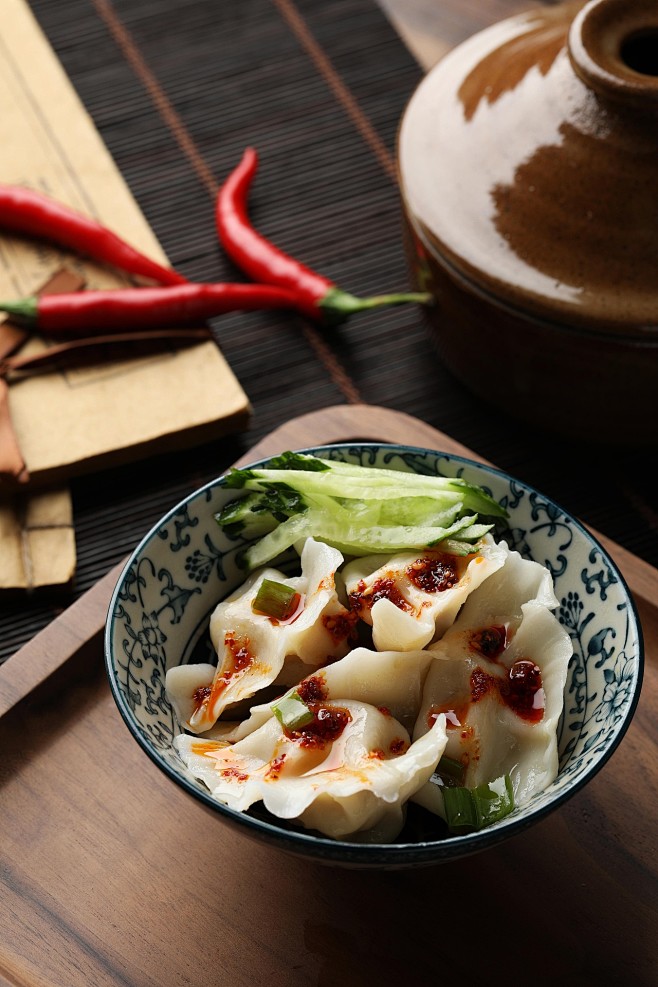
{"x": 275, "y": 600}
{"x": 470, "y": 809}
{"x": 461, "y": 814}
{"x": 494, "y": 800}
{"x": 291, "y": 712}
{"x": 451, "y": 772}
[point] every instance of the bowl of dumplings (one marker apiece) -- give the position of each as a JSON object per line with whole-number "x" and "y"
{"x": 374, "y": 655}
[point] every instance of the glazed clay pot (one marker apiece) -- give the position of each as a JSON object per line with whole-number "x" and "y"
{"x": 528, "y": 161}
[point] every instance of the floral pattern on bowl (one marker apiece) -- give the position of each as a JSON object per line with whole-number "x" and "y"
{"x": 162, "y": 603}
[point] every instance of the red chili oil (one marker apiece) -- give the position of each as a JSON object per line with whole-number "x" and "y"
{"x": 341, "y": 626}
{"x": 489, "y": 641}
{"x": 328, "y": 721}
{"x": 312, "y": 690}
{"x": 234, "y": 773}
{"x": 240, "y": 659}
{"x": 200, "y": 696}
{"x": 521, "y": 690}
{"x": 482, "y": 683}
{"x": 434, "y": 573}
{"x": 382, "y": 589}
{"x": 526, "y": 693}
{"x": 326, "y": 726}
{"x": 398, "y": 746}
{"x": 206, "y": 748}
{"x": 240, "y": 654}
{"x": 275, "y": 768}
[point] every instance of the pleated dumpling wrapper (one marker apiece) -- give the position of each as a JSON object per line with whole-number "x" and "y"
{"x": 502, "y": 698}
{"x": 348, "y": 774}
{"x": 411, "y": 598}
{"x": 256, "y": 650}
{"x": 390, "y": 679}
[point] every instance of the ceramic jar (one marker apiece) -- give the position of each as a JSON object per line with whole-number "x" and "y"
{"x": 528, "y": 162}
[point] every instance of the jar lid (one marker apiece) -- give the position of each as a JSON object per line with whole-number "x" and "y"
{"x": 528, "y": 160}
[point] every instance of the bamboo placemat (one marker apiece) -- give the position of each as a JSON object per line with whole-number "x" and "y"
{"x": 177, "y": 92}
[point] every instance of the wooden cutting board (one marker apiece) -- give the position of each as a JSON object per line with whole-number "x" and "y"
{"x": 113, "y": 875}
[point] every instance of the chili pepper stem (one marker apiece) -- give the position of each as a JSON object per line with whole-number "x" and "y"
{"x": 25, "y": 311}
{"x": 339, "y": 305}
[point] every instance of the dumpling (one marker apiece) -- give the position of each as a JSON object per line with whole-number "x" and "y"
{"x": 256, "y": 650}
{"x": 502, "y": 711}
{"x": 412, "y": 598}
{"x": 498, "y": 603}
{"x": 349, "y": 771}
{"x": 392, "y": 680}
{"x": 494, "y": 609}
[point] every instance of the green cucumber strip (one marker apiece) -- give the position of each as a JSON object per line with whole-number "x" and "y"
{"x": 298, "y": 461}
{"x": 453, "y": 546}
{"x": 444, "y": 492}
{"x": 473, "y": 533}
{"x": 346, "y": 487}
{"x": 250, "y": 514}
{"x": 350, "y": 538}
{"x": 359, "y": 510}
{"x": 287, "y": 467}
{"x": 418, "y": 510}
{"x": 296, "y": 528}
{"x": 404, "y": 478}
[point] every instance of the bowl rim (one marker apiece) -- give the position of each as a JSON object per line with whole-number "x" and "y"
{"x": 425, "y": 852}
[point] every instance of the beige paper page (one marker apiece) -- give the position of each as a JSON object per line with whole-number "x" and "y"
{"x": 83, "y": 419}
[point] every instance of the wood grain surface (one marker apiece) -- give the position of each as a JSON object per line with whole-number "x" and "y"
{"x": 113, "y": 875}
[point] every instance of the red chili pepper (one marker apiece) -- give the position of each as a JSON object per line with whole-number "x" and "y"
{"x": 145, "y": 308}
{"x": 31, "y": 213}
{"x": 317, "y": 296}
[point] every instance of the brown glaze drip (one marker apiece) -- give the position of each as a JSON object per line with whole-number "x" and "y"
{"x": 550, "y": 139}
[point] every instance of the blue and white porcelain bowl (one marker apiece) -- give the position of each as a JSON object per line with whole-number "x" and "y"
{"x": 186, "y": 564}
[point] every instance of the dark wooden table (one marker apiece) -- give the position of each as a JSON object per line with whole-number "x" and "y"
{"x": 102, "y": 876}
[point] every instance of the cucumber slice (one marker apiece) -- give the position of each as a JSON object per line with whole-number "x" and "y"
{"x": 358, "y": 509}
{"x": 349, "y": 538}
